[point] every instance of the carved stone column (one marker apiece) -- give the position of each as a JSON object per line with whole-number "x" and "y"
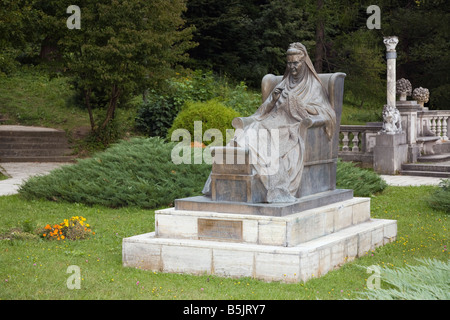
{"x": 391, "y": 149}
{"x": 391, "y": 56}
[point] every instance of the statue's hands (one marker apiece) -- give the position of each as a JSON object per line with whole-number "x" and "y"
{"x": 276, "y": 93}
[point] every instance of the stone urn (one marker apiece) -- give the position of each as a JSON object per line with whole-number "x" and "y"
{"x": 404, "y": 88}
{"x": 421, "y": 95}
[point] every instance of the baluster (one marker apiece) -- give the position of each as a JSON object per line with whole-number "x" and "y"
{"x": 345, "y": 141}
{"x": 439, "y": 126}
{"x": 444, "y": 128}
{"x": 433, "y": 125}
{"x": 355, "y": 141}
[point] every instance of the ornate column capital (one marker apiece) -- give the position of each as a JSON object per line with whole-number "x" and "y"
{"x": 390, "y": 43}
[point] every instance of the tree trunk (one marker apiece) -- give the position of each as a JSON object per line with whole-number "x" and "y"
{"x": 320, "y": 35}
{"x": 87, "y": 94}
{"x": 115, "y": 92}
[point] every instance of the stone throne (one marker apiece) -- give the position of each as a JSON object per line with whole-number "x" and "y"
{"x": 235, "y": 182}
{"x": 319, "y": 173}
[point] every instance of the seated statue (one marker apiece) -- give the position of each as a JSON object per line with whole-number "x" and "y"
{"x": 297, "y": 102}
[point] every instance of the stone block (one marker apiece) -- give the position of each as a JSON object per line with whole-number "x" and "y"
{"x": 343, "y": 217}
{"x": 361, "y": 212}
{"x": 277, "y": 267}
{"x": 390, "y": 152}
{"x": 142, "y": 255}
{"x": 377, "y": 238}
{"x": 389, "y": 232}
{"x": 177, "y": 226}
{"x": 272, "y": 232}
{"x": 233, "y": 263}
{"x": 180, "y": 259}
{"x": 364, "y": 243}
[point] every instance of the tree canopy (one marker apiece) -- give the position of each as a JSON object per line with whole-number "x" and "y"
{"x": 125, "y": 47}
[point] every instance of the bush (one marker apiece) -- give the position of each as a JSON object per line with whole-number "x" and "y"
{"x": 136, "y": 173}
{"x": 439, "y": 97}
{"x": 156, "y": 115}
{"x": 212, "y": 114}
{"x": 428, "y": 281}
{"x": 243, "y": 101}
{"x": 363, "y": 182}
{"x": 440, "y": 199}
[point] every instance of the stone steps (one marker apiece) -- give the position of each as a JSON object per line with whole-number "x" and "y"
{"x": 431, "y": 168}
{"x": 425, "y": 173}
{"x": 33, "y": 144}
{"x": 434, "y": 158}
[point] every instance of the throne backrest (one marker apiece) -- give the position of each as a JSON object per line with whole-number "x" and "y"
{"x": 334, "y": 85}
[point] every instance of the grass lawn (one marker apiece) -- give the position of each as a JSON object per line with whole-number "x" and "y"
{"x": 37, "y": 269}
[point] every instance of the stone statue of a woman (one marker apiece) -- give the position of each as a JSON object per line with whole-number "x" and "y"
{"x": 299, "y": 97}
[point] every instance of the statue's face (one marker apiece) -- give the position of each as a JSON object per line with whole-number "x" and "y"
{"x": 294, "y": 63}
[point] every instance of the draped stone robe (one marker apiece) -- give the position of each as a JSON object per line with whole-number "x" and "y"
{"x": 273, "y": 136}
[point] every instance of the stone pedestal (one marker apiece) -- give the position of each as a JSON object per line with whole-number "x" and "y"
{"x": 290, "y": 248}
{"x": 408, "y": 111}
{"x": 390, "y": 152}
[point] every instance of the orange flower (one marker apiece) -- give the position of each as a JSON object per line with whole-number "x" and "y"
{"x": 47, "y": 227}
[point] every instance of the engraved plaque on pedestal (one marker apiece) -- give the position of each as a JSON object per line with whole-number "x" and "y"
{"x": 214, "y": 229}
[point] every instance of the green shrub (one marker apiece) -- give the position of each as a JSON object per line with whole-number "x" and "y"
{"x": 155, "y": 116}
{"x": 212, "y": 114}
{"x": 243, "y": 101}
{"x": 197, "y": 86}
{"x": 137, "y": 173}
{"x": 428, "y": 281}
{"x": 440, "y": 199}
{"x": 363, "y": 182}
{"x": 439, "y": 97}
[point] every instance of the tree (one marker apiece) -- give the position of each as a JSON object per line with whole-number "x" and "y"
{"x": 124, "y": 47}
{"x": 424, "y": 46}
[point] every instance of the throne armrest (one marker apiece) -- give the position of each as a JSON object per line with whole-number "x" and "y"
{"x": 242, "y": 122}
{"x": 313, "y": 121}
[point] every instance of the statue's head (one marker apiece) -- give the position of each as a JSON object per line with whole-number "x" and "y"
{"x": 296, "y": 54}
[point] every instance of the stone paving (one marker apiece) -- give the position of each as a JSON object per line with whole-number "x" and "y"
{"x": 20, "y": 171}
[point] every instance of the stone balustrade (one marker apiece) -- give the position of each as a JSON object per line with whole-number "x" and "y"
{"x": 437, "y": 121}
{"x": 356, "y": 142}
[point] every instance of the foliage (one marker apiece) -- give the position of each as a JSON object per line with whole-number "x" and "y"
{"x": 155, "y": 116}
{"x": 245, "y": 39}
{"x": 138, "y": 172}
{"x": 440, "y": 199}
{"x": 212, "y": 114}
{"x": 424, "y": 46}
{"x": 74, "y": 228}
{"x": 242, "y": 100}
{"x": 427, "y": 281}
{"x": 124, "y": 48}
{"x": 158, "y": 111}
{"x": 363, "y": 182}
{"x": 30, "y": 97}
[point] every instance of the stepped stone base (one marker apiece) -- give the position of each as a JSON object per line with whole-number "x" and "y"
{"x": 289, "y": 248}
